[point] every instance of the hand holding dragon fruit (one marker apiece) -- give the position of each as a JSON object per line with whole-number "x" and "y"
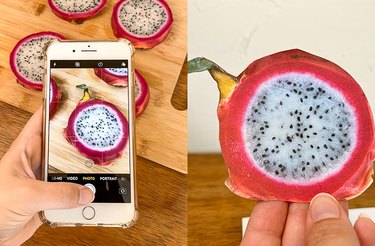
{"x": 97, "y": 129}
{"x": 293, "y": 125}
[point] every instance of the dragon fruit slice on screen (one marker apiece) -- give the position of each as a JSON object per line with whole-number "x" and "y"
{"x": 119, "y": 77}
{"x": 97, "y": 129}
{"x": 292, "y": 125}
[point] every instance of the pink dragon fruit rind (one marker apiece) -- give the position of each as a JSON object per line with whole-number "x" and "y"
{"x": 141, "y": 100}
{"x": 13, "y": 65}
{"x": 138, "y": 41}
{"x": 79, "y": 16}
{"x": 105, "y": 157}
{"x": 55, "y": 99}
{"x": 110, "y": 78}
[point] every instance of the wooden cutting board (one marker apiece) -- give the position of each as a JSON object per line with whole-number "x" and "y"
{"x": 161, "y": 129}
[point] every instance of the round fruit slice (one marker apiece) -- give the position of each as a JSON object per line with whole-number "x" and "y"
{"x": 145, "y": 23}
{"x": 293, "y": 125}
{"x": 119, "y": 77}
{"x": 97, "y": 129}
{"x": 76, "y": 10}
{"x": 27, "y": 61}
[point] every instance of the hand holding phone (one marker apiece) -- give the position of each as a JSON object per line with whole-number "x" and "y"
{"x": 89, "y": 130}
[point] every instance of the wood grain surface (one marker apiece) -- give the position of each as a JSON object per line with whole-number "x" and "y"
{"x": 215, "y": 213}
{"x": 162, "y": 198}
{"x": 160, "y": 66}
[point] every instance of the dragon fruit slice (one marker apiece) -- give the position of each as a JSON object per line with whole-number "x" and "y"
{"x": 119, "y": 77}
{"x": 293, "y": 125}
{"x": 97, "y": 129}
{"x": 26, "y": 59}
{"x": 55, "y": 98}
{"x": 76, "y": 11}
{"x": 145, "y": 23}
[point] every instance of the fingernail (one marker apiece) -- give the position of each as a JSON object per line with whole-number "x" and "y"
{"x": 324, "y": 206}
{"x": 85, "y": 196}
{"x": 363, "y": 215}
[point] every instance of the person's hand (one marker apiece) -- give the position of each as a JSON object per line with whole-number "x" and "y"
{"x": 22, "y": 196}
{"x": 324, "y": 222}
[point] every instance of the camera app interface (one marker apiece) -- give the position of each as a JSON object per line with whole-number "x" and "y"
{"x": 88, "y": 126}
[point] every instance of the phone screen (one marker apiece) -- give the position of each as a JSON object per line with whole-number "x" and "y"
{"x": 89, "y": 127}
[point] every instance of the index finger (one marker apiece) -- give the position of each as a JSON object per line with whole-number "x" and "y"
{"x": 266, "y": 224}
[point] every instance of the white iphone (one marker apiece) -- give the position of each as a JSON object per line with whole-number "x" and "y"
{"x": 89, "y": 129}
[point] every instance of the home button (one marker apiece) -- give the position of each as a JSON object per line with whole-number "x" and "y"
{"x": 88, "y": 212}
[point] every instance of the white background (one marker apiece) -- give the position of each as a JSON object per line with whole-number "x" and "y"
{"x": 233, "y": 33}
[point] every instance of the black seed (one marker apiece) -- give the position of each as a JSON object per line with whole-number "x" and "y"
{"x": 325, "y": 146}
{"x": 307, "y": 116}
{"x": 312, "y": 146}
{"x": 291, "y": 126}
{"x": 280, "y": 165}
{"x": 340, "y": 125}
{"x": 326, "y": 111}
{"x": 301, "y": 136}
{"x": 298, "y": 118}
{"x": 329, "y": 139}
{"x": 273, "y": 151}
{"x": 313, "y": 156}
{"x": 296, "y": 111}
{"x": 277, "y": 172}
{"x": 303, "y": 169}
{"x": 304, "y": 129}
{"x": 310, "y": 109}
{"x": 314, "y": 133}
{"x": 266, "y": 149}
{"x": 289, "y": 139}
{"x": 281, "y": 103}
{"x": 310, "y": 89}
{"x": 294, "y": 151}
{"x": 326, "y": 155}
{"x": 343, "y": 146}
{"x": 301, "y": 99}
{"x": 331, "y": 158}
{"x": 256, "y": 110}
{"x": 273, "y": 138}
{"x": 258, "y": 144}
{"x": 255, "y": 150}
{"x": 290, "y": 157}
{"x": 264, "y": 155}
{"x": 320, "y": 117}
{"x": 287, "y": 94}
{"x": 289, "y": 83}
{"x": 316, "y": 169}
{"x": 262, "y": 128}
{"x": 307, "y": 163}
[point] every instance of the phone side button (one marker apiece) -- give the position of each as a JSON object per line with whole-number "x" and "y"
{"x": 88, "y": 212}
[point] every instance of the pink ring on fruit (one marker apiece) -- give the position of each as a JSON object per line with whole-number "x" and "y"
{"x": 139, "y": 36}
{"x": 71, "y": 13}
{"x": 27, "y": 56}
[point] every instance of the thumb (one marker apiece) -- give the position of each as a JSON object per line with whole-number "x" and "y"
{"x": 59, "y": 195}
{"x": 328, "y": 224}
